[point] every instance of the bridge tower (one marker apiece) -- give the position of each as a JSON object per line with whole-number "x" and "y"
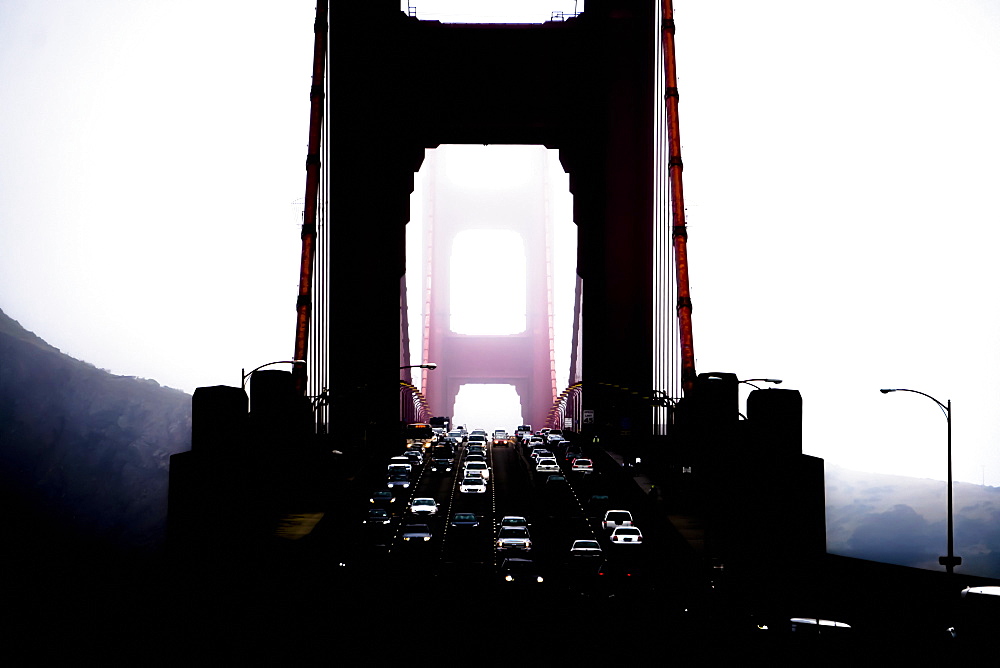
{"x": 399, "y": 86}
{"x": 521, "y": 356}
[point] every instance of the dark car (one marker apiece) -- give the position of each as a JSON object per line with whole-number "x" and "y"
{"x": 442, "y": 459}
{"x": 520, "y": 571}
{"x": 598, "y": 504}
{"x": 555, "y": 481}
{"x": 417, "y": 533}
{"x": 464, "y": 520}
{"x": 572, "y": 452}
{"x": 377, "y": 516}
{"x": 382, "y": 498}
{"x": 398, "y": 480}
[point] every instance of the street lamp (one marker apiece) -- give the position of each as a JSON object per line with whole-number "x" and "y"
{"x": 429, "y": 365}
{"x": 247, "y": 375}
{"x": 776, "y": 381}
{"x": 951, "y": 560}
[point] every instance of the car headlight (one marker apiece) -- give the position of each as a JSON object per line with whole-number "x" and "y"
{"x": 540, "y": 579}
{"x": 426, "y": 538}
{"x": 509, "y": 578}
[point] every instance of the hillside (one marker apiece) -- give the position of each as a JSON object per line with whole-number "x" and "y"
{"x": 83, "y": 453}
{"x": 84, "y": 460}
{"x": 900, "y": 520}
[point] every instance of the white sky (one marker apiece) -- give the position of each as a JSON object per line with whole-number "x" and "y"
{"x": 840, "y": 177}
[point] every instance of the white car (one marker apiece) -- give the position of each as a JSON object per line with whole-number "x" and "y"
{"x": 582, "y": 465}
{"x": 513, "y": 538}
{"x": 513, "y": 521}
{"x": 547, "y": 465}
{"x": 423, "y": 506}
{"x": 617, "y": 518}
{"x": 626, "y": 536}
{"x": 585, "y": 548}
{"x": 474, "y": 485}
{"x": 478, "y": 466}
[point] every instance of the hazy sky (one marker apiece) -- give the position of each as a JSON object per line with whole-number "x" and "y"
{"x": 840, "y": 176}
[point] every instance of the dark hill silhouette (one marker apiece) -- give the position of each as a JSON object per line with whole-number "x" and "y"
{"x": 83, "y": 453}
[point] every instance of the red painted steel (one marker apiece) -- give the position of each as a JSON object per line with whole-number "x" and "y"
{"x": 675, "y": 168}
{"x": 303, "y": 306}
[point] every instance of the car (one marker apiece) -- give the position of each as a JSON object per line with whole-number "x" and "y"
{"x": 585, "y": 548}
{"x": 399, "y": 469}
{"x": 377, "y": 516}
{"x": 423, "y": 506}
{"x": 626, "y": 536}
{"x": 582, "y": 465}
{"x": 555, "y": 481}
{"x": 475, "y": 450}
{"x": 572, "y": 453}
{"x": 617, "y": 573}
{"x": 382, "y": 497}
{"x": 415, "y": 456}
{"x": 500, "y": 438}
{"x": 475, "y": 458}
{"x": 398, "y": 480}
{"x": 541, "y": 453}
{"x": 458, "y": 435}
{"x": 478, "y": 466}
{"x": 513, "y": 538}
{"x": 520, "y": 571}
{"x": 546, "y": 465}
{"x": 416, "y": 532}
{"x": 616, "y": 518}
{"x": 513, "y": 521}
{"x": 598, "y": 503}
{"x": 442, "y": 463}
{"x": 472, "y": 485}
{"x": 464, "y": 520}
{"x": 555, "y": 436}
{"x": 447, "y": 443}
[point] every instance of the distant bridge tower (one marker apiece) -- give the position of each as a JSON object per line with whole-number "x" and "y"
{"x": 524, "y": 357}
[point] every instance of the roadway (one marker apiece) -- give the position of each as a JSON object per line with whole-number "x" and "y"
{"x": 349, "y": 585}
{"x": 631, "y": 589}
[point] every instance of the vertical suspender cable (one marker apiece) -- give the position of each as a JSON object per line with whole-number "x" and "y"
{"x": 303, "y": 305}
{"x": 675, "y": 167}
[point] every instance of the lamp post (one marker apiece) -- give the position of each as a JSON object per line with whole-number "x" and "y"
{"x": 950, "y": 561}
{"x": 419, "y": 401}
{"x": 749, "y": 382}
{"x": 246, "y": 375}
